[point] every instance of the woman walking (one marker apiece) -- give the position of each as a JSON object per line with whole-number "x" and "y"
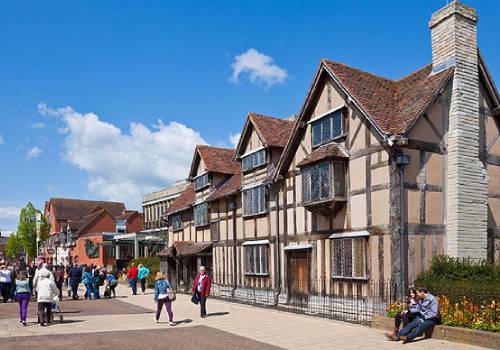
{"x": 87, "y": 280}
{"x": 142, "y": 275}
{"x": 46, "y": 292}
{"x": 163, "y": 293}
{"x": 23, "y": 294}
{"x": 5, "y": 282}
{"x": 201, "y": 289}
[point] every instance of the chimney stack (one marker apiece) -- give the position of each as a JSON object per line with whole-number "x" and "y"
{"x": 454, "y": 44}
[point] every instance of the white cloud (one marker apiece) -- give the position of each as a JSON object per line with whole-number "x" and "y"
{"x": 234, "y": 139}
{"x": 38, "y": 125}
{"x": 258, "y": 67}
{"x": 33, "y": 152}
{"x": 124, "y": 166}
{"x": 2, "y": 141}
{"x": 9, "y": 212}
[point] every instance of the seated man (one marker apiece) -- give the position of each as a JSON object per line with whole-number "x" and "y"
{"x": 429, "y": 316}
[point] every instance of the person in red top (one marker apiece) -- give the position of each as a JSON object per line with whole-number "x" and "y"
{"x": 201, "y": 287}
{"x": 132, "y": 278}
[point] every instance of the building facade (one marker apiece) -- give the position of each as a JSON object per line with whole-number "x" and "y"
{"x": 371, "y": 180}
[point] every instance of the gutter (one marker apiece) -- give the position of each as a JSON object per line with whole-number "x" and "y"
{"x": 277, "y": 265}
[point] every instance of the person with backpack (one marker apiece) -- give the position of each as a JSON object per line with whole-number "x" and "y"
{"x": 142, "y": 275}
{"x": 164, "y": 295}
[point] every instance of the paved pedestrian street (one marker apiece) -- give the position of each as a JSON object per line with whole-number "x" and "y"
{"x": 127, "y": 322}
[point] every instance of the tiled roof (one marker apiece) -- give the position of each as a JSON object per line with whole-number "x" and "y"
{"x": 127, "y": 215}
{"x": 183, "y": 202}
{"x": 274, "y": 131}
{"x": 84, "y": 222}
{"x": 392, "y": 104}
{"x": 330, "y": 150}
{"x": 231, "y": 186}
{"x": 218, "y": 160}
{"x": 186, "y": 248}
{"x": 75, "y": 209}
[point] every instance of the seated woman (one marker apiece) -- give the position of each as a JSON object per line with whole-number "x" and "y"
{"x": 409, "y": 314}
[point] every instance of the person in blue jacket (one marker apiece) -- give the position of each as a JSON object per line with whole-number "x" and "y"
{"x": 161, "y": 297}
{"x": 75, "y": 277}
{"x": 87, "y": 279}
{"x": 142, "y": 275}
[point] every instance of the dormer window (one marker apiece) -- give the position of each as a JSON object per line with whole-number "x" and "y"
{"x": 201, "y": 214}
{"x": 254, "y": 160}
{"x": 201, "y": 181}
{"x": 121, "y": 226}
{"x": 327, "y": 128}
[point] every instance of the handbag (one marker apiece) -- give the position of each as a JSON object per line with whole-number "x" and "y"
{"x": 171, "y": 294}
{"x": 194, "y": 299}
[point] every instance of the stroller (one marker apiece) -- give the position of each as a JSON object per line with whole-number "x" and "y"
{"x": 56, "y": 310}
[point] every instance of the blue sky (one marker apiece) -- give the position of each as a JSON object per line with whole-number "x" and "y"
{"x": 85, "y": 83}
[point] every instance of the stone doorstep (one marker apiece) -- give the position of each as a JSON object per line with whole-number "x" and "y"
{"x": 468, "y": 336}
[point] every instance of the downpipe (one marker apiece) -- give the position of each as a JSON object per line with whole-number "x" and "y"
{"x": 277, "y": 279}
{"x": 235, "y": 250}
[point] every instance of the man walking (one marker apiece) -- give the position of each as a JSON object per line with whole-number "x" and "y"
{"x": 75, "y": 277}
{"x": 201, "y": 287}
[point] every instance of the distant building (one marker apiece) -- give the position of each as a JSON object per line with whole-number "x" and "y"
{"x": 91, "y": 232}
{"x": 155, "y": 204}
{"x": 3, "y": 244}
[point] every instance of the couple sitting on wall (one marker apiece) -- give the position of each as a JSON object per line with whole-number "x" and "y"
{"x": 422, "y": 314}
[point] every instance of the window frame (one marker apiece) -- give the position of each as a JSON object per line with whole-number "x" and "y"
{"x": 205, "y": 215}
{"x": 351, "y": 242}
{"x": 321, "y": 121}
{"x": 336, "y": 188}
{"x": 204, "y": 185}
{"x": 124, "y": 226}
{"x": 254, "y": 155}
{"x": 256, "y": 259}
{"x": 176, "y": 219}
{"x": 263, "y": 196}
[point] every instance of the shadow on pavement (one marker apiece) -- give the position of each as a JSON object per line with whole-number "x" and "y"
{"x": 217, "y": 314}
{"x": 187, "y": 320}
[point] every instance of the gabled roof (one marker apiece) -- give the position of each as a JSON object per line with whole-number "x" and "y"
{"x": 216, "y": 159}
{"x": 274, "y": 132}
{"x": 75, "y": 209}
{"x": 328, "y": 151}
{"x": 80, "y": 225}
{"x": 183, "y": 202}
{"x": 128, "y": 215}
{"x": 392, "y": 104}
{"x": 232, "y": 185}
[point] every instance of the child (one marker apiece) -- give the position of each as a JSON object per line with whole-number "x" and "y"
{"x": 23, "y": 293}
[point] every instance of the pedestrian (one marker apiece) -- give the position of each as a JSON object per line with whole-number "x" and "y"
{"x": 163, "y": 296}
{"x": 75, "y": 277}
{"x": 43, "y": 270}
{"x": 58, "y": 273}
{"x": 132, "y": 278}
{"x": 5, "y": 282}
{"x": 31, "y": 275}
{"x": 112, "y": 282}
{"x": 428, "y": 308}
{"x": 412, "y": 311}
{"x": 97, "y": 281}
{"x": 142, "y": 275}
{"x": 46, "y": 292}
{"x": 201, "y": 289}
{"x": 87, "y": 280}
{"x": 23, "y": 294}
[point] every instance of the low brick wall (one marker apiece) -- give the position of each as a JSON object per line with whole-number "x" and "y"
{"x": 455, "y": 334}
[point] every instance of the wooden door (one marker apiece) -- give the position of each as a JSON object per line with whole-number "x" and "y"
{"x": 298, "y": 277}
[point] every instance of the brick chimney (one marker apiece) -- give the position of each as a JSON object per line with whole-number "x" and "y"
{"x": 454, "y": 43}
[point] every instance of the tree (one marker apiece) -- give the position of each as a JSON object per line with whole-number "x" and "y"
{"x": 13, "y": 247}
{"x": 26, "y": 230}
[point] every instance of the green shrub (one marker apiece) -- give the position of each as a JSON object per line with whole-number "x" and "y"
{"x": 458, "y": 278}
{"x": 152, "y": 263}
